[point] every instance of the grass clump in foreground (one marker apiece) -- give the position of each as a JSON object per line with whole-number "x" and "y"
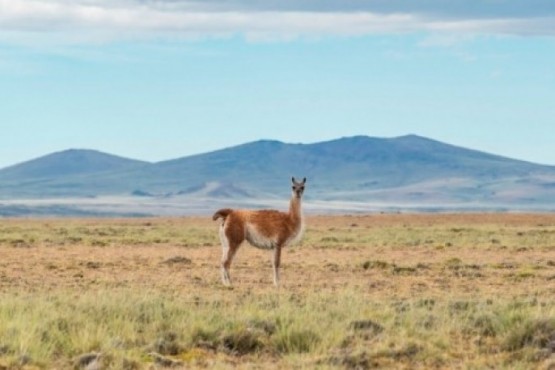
{"x": 128, "y": 329}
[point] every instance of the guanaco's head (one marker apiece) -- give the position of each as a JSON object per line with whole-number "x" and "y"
{"x": 298, "y": 187}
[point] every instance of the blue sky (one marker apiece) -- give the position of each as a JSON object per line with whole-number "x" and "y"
{"x": 156, "y": 80}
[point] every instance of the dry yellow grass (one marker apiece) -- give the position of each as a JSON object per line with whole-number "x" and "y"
{"x": 447, "y": 291}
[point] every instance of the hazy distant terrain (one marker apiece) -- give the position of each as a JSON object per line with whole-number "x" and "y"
{"x": 348, "y": 174}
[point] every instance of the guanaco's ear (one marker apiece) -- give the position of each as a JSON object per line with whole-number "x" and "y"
{"x": 304, "y": 180}
{"x": 293, "y": 179}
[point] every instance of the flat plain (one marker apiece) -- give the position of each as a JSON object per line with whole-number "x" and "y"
{"x": 466, "y": 291}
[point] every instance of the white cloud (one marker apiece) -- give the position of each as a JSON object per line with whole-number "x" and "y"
{"x": 81, "y": 20}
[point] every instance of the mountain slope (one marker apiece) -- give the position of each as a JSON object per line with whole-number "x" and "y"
{"x": 73, "y": 172}
{"x": 68, "y": 163}
{"x": 405, "y": 170}
{"x": 343, "y": 163}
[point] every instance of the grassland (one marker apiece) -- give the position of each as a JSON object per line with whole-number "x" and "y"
{"x": 388, "y": 291}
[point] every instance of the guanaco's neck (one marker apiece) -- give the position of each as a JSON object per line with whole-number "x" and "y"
{"x": 295, "y": 207}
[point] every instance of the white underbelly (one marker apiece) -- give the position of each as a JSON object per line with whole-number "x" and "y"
{"x": 255, "y": 238}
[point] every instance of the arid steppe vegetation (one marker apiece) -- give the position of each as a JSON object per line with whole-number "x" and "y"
{"x": 466, "y": 291}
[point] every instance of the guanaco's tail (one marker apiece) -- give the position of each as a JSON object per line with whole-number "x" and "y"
{"x": 222, "y": 213}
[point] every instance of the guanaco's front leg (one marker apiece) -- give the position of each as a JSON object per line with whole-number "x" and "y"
{"x": 276, "y": 263}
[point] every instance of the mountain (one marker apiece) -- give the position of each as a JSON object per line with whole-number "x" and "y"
{"x": 408, "y": 170}
{"x": 68, "y": 163}
{"x": 63, "y": 173}
{"x": 346, "y": 168}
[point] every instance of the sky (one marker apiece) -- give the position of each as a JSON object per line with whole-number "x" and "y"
{"x": 163, "y": 79}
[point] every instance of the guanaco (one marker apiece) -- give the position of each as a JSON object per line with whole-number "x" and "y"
{"x": 266, "y": 229}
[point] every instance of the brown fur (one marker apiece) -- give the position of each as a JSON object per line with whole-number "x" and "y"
{"x": 262, "y": 228}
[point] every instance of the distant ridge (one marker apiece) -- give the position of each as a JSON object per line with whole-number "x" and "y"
{"x": 409, "y": 169}
{"x": 69, "y": 162}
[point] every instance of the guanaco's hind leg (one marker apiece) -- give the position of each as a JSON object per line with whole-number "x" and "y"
{"x": 229, "y": 247}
